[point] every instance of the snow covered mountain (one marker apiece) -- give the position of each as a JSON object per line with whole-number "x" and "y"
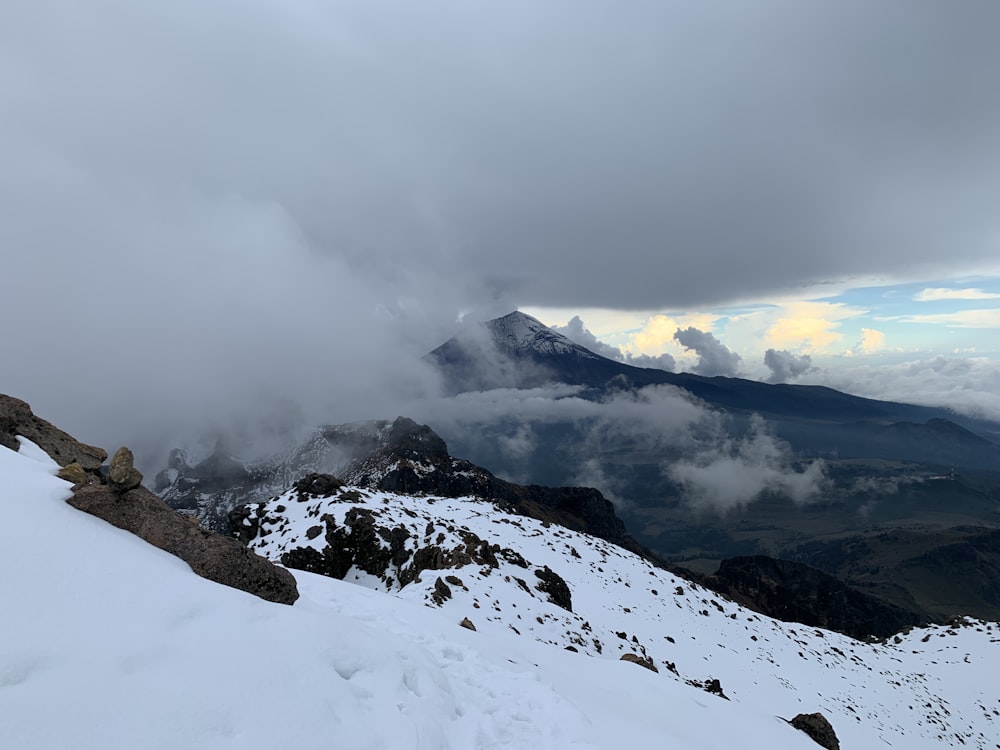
{"x": 519, "y": 332}
{"x": 512, "y": 577}
{"x": 518, "y": 351}
{"x": 398, "y": 455}
{"x": 109, "y": 642}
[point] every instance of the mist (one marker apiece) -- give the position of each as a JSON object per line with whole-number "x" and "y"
{"x": 736, "y": 471}
{"x": 241, "y": 217}
{"x": 720, "y": 466}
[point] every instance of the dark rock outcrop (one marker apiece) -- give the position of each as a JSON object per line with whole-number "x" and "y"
{"x": 16, "y": 418}
{"x": 794, "y": 592}
{"x": 817, "y": 727}
{"x": 414, "y": 459}
{"x": 211, "y": 556}
{"x": 552, "y": 583}
{"x": 317, "y": 485}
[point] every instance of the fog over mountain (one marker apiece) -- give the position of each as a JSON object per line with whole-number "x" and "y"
{"x": 212, "y": 209}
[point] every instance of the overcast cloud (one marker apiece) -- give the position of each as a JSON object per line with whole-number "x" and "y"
{"x": 205, "y": 206}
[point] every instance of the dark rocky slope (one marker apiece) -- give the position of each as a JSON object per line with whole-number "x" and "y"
{"x": 794, "y": 592}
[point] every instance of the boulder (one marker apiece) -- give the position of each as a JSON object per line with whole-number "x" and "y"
{"x": 210, "y": 555}
{"x": 818, "y": 728}
{"x": 76, "y": 474}
{"x": 16, "y": 418}
{"x": 122, "y": 476}
{"x": 467, "y": 624}
{"x": 642, "y": 661}
{"x": 551, "y": 583}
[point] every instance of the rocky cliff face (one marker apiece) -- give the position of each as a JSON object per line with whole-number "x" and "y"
{"x": 794, "y": 592}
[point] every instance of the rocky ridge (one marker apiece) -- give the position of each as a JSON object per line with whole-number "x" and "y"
{"x": 399, "y": 455}
{"x": 499, "y": 572}
{"x": 115, "y": 494}
{"x": 404, "y": 457}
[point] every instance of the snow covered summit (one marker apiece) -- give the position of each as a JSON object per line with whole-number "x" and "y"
{"x": 518, "y": 332}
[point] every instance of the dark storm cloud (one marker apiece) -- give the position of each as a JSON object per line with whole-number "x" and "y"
{"x": 785, "y": 366}
{"x": 714, "y": 357}
{"x": 202, "y": 204}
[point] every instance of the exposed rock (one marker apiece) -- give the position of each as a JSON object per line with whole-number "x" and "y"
{"x": 16, "y": 418}
{"x": 642, "y": 661}
{"x": 122, "y": 475}
{"x": 558, "y": 590}
{"x": 817, "y": 727}
{"x": 211, "y": 556}
{"x": 711, "y": 685}
{"x": 714, "y": 687}
{"x": 76, "y": 474}
{"x": 467, "y": 624}
{"x": 441, "y": 591}
{"x": 398, "y": 456}
{"x": 412, "y": 458}
{"x": 794, "y": 592}
{"x": 318, "y": 485}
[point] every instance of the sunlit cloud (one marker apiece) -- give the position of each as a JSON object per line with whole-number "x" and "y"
{"x": 872, "y": 340}
{"x": 936, "y": 294}
{"x": 657, "y": 335}
{"x": 809, "y": 326}
{"x": 989, "y": 318}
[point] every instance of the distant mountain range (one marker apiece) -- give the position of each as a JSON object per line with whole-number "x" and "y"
{"x": 518, "y": 351}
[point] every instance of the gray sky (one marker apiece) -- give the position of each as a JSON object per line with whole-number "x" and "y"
{"x": 201, "y": 203}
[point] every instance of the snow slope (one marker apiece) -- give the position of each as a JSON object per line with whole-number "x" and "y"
{"x": 107, "y": 642}
{"x": 929, "y": 688}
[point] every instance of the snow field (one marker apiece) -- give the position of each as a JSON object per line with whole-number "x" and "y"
{"x": 107, "y": 642}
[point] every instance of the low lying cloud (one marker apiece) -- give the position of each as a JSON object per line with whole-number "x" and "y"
{"x": 714, "y": 357}
{"x": 659, "y": 362}
{"x": 968, "y": 385}
{"x": 736, "y": 472}
{"x": 597, "y": 443}
{"x": 785, "y": 366}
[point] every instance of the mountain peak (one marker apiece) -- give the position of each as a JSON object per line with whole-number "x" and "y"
{"x": 519, "y": 333}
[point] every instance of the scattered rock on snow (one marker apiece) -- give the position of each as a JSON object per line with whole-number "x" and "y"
{"x": 441, "y": 591}
{"x": 817, "y": 727}
{"x": 642, "y": 661}
{"x": 552, "y": 584}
